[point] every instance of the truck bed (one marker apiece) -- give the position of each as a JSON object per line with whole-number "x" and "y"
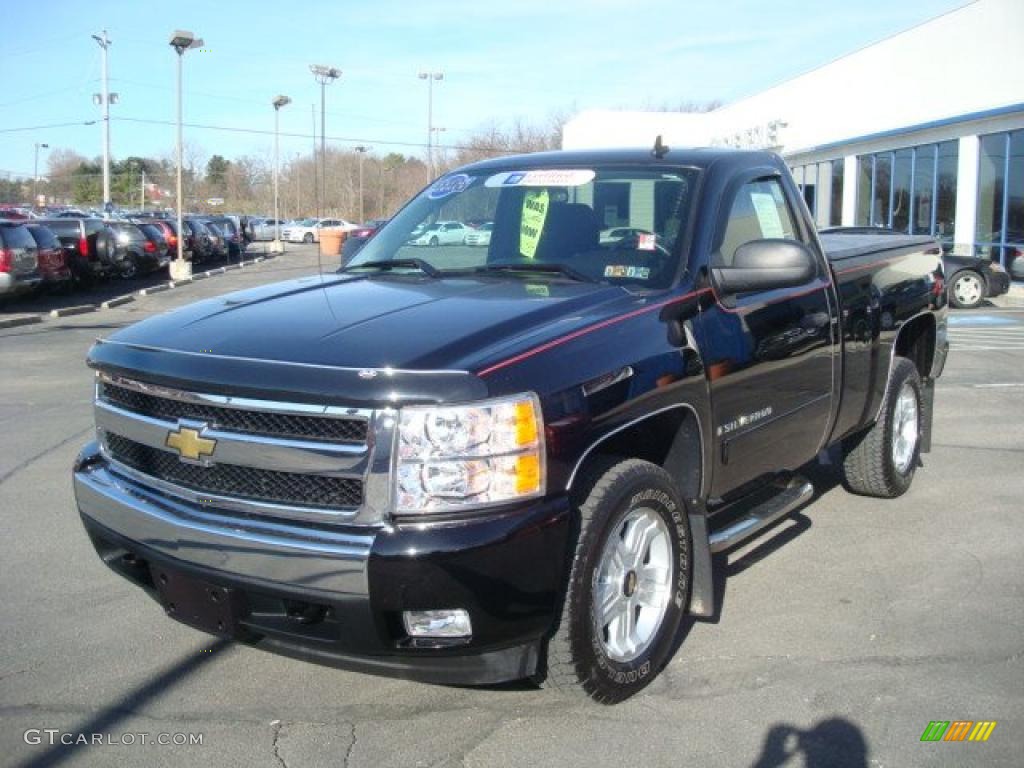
{"x": 841, "y": 245}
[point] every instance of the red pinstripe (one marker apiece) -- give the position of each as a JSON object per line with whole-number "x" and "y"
{"x": 584, "y": 331}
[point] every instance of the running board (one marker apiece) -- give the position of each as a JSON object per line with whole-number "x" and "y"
{"x": 797, "y": 492}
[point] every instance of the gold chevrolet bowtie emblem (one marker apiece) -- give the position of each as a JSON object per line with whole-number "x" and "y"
{"x": 189, "y": 444}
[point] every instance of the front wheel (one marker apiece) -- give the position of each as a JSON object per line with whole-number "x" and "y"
{"x": 307, "y": 238}
{"x": 628, "y": 586}
{"x": 881, "y": 461}
{"x": 967, "y": 290}
{"x": 434, "y": 241}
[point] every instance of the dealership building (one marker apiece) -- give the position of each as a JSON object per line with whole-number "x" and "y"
{"x": 922, "y": 132}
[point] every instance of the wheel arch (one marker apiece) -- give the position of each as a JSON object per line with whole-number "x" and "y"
{"x": 670, "y": 437}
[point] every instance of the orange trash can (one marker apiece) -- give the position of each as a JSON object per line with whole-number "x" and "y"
{"x": 331, "y": 240}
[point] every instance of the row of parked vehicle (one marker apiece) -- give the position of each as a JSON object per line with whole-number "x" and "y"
{"x": 65, "y": 251}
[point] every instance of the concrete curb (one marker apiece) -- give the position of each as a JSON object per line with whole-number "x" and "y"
{"x": 118, "y": 301}
{"x": 15, "y": 320}
{"x": 81, "y": 309}
{"x": 154, "y": 289}
{"x": 176, "y": 283}
{"x": 199, "y": 276}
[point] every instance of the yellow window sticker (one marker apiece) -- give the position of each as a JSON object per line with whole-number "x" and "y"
{"x": 535, "y": 211}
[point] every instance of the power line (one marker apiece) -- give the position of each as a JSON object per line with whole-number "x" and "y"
{"x": 262, "y": 132}
{"x": 44, "y": 127}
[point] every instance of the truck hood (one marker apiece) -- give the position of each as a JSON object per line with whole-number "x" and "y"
{"x": 383, "y": 322}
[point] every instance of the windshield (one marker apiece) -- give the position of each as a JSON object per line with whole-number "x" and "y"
{"x": 542, "y": 217}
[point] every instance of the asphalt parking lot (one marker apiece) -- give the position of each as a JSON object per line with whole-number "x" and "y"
{"x": 841, "y": 634}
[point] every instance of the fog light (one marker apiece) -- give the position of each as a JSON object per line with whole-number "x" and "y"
{"x": 445, "y": 623}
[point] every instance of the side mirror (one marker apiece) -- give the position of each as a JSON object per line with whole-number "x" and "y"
{"x": 764, "y": 265}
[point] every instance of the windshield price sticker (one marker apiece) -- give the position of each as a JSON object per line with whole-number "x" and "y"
{"x": 767, "y": 214}
{"x": 535, "y": 211}
{"x": 449, "y": 185}
{"x": 542, "y": 178}
{"x": 645, "y": 241}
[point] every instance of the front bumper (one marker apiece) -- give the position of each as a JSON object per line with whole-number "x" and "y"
{"x": 335, "y": 594}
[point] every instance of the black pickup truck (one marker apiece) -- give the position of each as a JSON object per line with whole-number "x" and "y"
{"x": 468, "y": 464}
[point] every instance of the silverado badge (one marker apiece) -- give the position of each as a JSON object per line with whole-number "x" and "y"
{"x": 189, "y": 444}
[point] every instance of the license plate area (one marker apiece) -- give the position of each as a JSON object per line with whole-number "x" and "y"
{"x": 200, "y": 603}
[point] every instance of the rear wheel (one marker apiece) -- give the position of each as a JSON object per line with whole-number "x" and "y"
{"x": 129, "y": 267}
{"x": 967, "y": 290}
{"x": 434, "y": 241}
{"x": 628, "y": 585}
{"x": 881, "y": 461}
{"x": 307, "y": 238}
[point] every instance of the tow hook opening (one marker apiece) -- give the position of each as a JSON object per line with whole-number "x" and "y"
{"x": 304, "y": 613}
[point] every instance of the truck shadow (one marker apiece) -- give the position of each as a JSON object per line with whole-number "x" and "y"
{"x": 128, "y": 705}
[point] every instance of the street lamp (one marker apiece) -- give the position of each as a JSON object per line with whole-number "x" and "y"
{"x": 323, "y": 75}
{"x": 430, "y": 77}
{"x": 436, "y": 142}
{"x": 181, "y": 41}
{"x": 35, "y": 174}
{"x": 280, "y": 101}
{"x": 362, "y": 150}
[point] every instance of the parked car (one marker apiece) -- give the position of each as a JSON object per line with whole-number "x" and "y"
{"x": 618, "y": 234}
{"x": 308, "y": 230}
{"x": 441, "y": 233}
{"x": 168, "y": 227}
{"x": 53, "y": 264}
{"x": 481, "y": 235}
{"x": 357, "y": 238}
{"x": 972, "y": 279}
{"x": 80, "y": 239}
{"x": 367, "y": 229}
{"x": 234, "y": 240}
{"x": 196, "y": 245}
{"x": 136, "y": 252}
{"x": 158, "y": 238}
{"x": 19, "y": 259}
{"x": 218, "y": 243}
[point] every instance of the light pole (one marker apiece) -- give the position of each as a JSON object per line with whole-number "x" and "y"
{"x": 181, "y": 41}
{"x": 105, "y": 99}
{"x": 280, "y": 101}
{"x": 430, "y": 77}
{"x": 362, "y": 150}
{"x": 435, "y": 144}
{"x": 35, "y": 174}
{"x": 323, "y": 75}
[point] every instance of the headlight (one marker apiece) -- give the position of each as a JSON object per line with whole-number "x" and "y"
{"x": 469, "y": 456}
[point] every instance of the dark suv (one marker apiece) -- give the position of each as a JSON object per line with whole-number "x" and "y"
{"x": 78, "y": 238}
{"x": 19, "y": 261}
{"x": 137, "y": 251}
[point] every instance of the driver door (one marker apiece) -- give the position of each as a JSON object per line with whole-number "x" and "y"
{"x": 769, "y": 355}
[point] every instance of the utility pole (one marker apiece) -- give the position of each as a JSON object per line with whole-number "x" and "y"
{"x": 298, "y": 186}
{"x": 104, "y": 100}
{"x": 324, "y": 75}
{"x": 316, "y": 171}
{"x": 430, "y": 77}
{"x": 362, "y": 150}
{"x": 35, "y": 175}
{"x": 142, "y": 192}
{"x": 280, "y": 101}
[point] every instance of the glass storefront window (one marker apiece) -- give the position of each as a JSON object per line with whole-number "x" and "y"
{"x": 1000, "y": 228}
{"x": 901, "y": 179}
{"x": 881, "y": 191}
{"x": 945, "y": 191}
{"x": 922, "y": 209}
{"x": 865, "y": 173}
{"x": 835, "y": 217}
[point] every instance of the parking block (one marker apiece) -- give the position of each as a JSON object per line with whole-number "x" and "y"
{"x": 16, "y": 320}
{"x": 154, "y": 289}
{"x": 118, "y": 301}
{"x": 80, "y": 309}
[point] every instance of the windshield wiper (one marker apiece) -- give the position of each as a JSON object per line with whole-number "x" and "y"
{"x": 387, "y": 264}
{"x": 539, "y": 266}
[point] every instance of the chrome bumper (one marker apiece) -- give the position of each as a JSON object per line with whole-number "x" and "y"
{"x": 332, "y": 563}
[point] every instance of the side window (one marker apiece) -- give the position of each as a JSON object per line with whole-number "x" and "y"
{"x": 759, "y": 212}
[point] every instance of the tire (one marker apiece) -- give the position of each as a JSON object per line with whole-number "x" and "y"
{"x": 585, "y": 655}
{"x": 881, "y": 461}
{"x": 307, "y": 238}
{"x": 967, "y": 290}
{"x": 434, "y": 241}
{"x": 129, "y": 268}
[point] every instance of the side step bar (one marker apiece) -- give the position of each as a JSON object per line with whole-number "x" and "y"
{"x": 796, "y": 493}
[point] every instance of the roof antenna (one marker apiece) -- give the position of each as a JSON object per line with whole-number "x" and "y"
{"x": 660, "y": 150}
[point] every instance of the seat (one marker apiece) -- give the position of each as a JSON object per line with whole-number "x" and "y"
{"x": 569, "y": 228}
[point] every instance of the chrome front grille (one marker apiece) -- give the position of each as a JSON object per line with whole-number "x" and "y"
{"x": 276, "y": 424}
{"x": 255, "y": 457}
{"x": 239, "y": 482}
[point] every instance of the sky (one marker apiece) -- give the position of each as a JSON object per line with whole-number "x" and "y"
{"x": 502, "y": 61}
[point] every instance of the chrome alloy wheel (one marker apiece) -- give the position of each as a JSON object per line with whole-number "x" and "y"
{"x": 968, "y": 290}
{"x": 633, "y": 584}
{"x": 904, "y": 429}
